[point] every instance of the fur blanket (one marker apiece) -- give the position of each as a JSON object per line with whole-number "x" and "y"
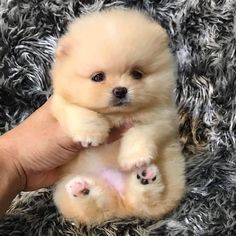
{"x": 203, "y": 41}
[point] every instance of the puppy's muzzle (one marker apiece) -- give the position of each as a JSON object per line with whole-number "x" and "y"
{"x": 119, "y": 96}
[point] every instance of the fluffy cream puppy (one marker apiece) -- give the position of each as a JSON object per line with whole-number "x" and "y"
{"x": 114, "y": 67}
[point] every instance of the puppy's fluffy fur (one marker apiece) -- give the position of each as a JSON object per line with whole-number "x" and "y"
{"x": 113, "y": 67}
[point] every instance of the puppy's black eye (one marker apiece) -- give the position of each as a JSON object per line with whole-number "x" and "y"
{"x": 99, "y": 77}
{"x": 136, "y": 74}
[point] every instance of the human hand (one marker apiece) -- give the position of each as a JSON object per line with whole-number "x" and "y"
{"x": 38, "y": 146}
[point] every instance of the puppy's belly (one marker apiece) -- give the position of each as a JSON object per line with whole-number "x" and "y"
{"x": 100, "y": 163}
{"x": 115, "y": 178}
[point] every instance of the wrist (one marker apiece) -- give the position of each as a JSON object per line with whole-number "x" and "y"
{"x": 11, "y": 174}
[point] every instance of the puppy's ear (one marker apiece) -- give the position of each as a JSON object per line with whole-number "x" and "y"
{"x": 163, "y": 37}
{"x": 63, "y": 47}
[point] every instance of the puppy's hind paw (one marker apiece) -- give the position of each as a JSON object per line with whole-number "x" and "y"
{"x": 77, "y": 186}
{"x": 147, "y": 175}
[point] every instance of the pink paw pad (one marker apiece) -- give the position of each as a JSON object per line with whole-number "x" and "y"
{"x": 76, "y": 187}
{"x": 148, "y": 174}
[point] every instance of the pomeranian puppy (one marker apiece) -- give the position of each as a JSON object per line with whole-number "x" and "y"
{"x": 114, "y": 67}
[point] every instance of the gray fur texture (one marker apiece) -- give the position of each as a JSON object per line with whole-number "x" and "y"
{"x": 203, "y": 41}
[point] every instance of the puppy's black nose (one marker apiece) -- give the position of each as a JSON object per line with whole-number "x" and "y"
{"x": 120, "y": 92}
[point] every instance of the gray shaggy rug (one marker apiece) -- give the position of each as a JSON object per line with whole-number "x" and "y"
{"x": 203, "y": 40}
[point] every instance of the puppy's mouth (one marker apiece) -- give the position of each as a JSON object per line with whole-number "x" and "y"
{"x": 120, "y": 102}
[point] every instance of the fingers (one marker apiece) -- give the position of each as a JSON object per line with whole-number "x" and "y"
{"x": 116, "y": 133}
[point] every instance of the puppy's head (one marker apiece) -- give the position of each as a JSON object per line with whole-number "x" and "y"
{"x": 114, "y": 61}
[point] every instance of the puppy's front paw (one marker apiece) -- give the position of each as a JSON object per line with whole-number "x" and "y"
{"x": 137, "y": 149}
{"x": 135, "y": 156}
{"x": 91, "y": 133}
{"x": 128, "y": 163}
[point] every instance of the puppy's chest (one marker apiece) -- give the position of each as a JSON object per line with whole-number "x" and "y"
{"x": 117, "y": 121}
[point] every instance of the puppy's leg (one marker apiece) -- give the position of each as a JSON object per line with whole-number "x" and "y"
{"x": 145, "y": 182}
{"x": 141, "y": 143}
{"x": 82, "y": 125}
{"x": 83, "y": 199}
{"x": 145, "y": 189}
{"x": 138, "y": 148}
